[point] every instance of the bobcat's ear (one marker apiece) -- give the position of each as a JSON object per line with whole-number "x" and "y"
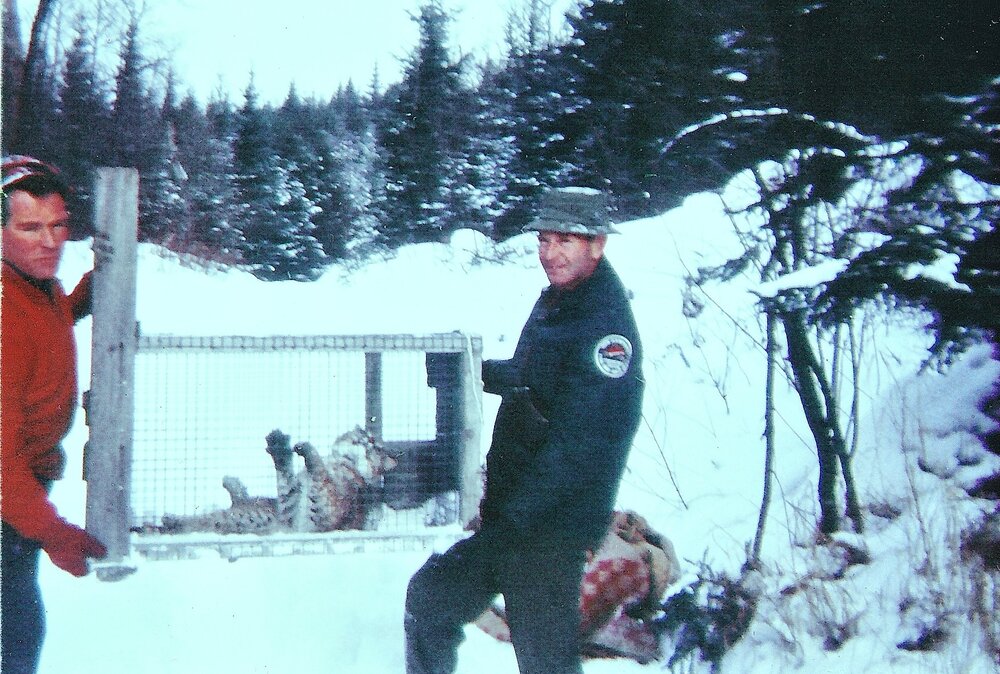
{"x": 379, "y": 458}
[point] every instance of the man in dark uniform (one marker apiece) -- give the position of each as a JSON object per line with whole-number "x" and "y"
{"x": 572, "y": 400}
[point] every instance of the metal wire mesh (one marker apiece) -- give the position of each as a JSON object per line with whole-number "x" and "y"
{"x": 203, "y": 406}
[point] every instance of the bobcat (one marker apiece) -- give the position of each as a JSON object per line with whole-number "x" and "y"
{"x": 342, "y": 491}
{"x": 247, "y": 514}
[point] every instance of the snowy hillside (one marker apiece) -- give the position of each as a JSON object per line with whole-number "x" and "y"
{"x": 696, "y": 473}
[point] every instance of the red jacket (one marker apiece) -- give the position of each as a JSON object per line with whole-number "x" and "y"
{"x": 38, "y": 394}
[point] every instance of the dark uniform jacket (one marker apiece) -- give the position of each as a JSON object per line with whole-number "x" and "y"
{"x": 572, "y": 401}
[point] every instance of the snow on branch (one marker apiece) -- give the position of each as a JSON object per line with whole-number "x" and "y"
{"x": 943, "y": 270}
{"x": 807, "y": 277}
{"x": 736, "y": 115}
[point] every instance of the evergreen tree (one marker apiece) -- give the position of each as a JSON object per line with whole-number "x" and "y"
{"x": 297, "y": 132}
{"x": 295, "y": 254}
{"x": 277, "y": 235}
{"x": 345, "y": 180}
{"x": 361, "y": 180}
{"x": 891, "y": 207}
{"x": 255, "y": 176}
{"x": 492, "y": 159}
{"x": 831, "y": 118}
{"x": 141, "y": 140}
{"x": 167, "y": 177}
{"x": 13, "y": 55}
{"x": 425, "y": 137}
{"x": 35, "y": 97}
{"x": 206, "y": 160}
{"x": 130, "y": 114}
{"x": 639, "y": 71}
{"x": 522, "y": 103}
{"x": 347, "y": 107}
{"x": 83, "y": 120}
{"x": 222, "y": 116}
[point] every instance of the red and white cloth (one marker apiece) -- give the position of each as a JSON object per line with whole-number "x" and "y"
{"x": 623, "y": 585}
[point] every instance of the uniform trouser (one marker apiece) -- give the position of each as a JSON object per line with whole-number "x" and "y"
{"x": 540, "y": 584}
{"x": 23, "y": 616}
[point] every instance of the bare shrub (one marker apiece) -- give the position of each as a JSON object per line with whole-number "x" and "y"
{"x": 707, "y": 617}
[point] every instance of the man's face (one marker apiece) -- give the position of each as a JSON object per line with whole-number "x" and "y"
{"x": 568, "y": 259}
{"x": 35, "y": 233}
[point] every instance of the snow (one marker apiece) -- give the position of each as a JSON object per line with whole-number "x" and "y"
{"x": 808, "y": 277}
{"x": 695, "y": 473}
{"x": 943, "y": 269}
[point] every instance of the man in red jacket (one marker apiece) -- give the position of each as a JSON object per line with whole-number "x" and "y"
{"x": 39, "y": 397}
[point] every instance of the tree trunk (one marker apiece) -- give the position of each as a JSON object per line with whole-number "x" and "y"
{"x": 765, "y": 503}
{"x": 809, "y": 384}
{"x": 851, "y": 494}
{"x": 831, "y": 395}
{"x": 853, "y": 504}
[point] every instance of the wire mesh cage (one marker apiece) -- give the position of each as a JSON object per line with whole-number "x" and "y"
{"x": 258, "y": 436}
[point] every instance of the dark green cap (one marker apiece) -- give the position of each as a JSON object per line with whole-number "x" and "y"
{"x": 573, "y": 210}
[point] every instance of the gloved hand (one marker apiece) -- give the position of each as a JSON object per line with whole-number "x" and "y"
{"x": 500, "y": 375}
{"x": 81, "y": 300}
{"x": 69, "y": 546}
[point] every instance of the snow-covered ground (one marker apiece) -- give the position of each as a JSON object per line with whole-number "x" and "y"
{"x": 696, "y": 473}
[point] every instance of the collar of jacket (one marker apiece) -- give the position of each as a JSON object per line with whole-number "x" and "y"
{"x": 12, "y": 274}
{"x": 582, "y": 293}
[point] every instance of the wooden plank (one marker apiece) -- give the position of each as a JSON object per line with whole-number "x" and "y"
{"x": 236, "y": 546}
{"x": 110, "y": 406}
{"x": 472, "y": 395}
{"x": 373, "y": 394}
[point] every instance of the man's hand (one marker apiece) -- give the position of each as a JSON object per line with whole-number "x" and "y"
{"x": 81, "y": 300}
{"x": 69, "y": 546}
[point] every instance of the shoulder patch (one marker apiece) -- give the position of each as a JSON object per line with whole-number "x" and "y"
{"x": 613, "y": 355}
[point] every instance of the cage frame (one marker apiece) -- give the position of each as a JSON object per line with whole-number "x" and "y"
{"x": 373, "y": 346}
{"x": 109, "y": 407}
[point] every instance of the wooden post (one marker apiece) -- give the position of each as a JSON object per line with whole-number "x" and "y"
{"x": 110, "y": 403}
{"x": 471, "y": 383}
{"x": 373, "y": 394}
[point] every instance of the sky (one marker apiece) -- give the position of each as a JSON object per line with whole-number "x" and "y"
{"x": 695, "y": 473}
{"x": 318, "y": 44}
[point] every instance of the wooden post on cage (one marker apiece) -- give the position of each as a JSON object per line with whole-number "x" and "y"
{"x": 110, "y": 406}
{"x": 373, "y": 394}
{"x": 471, "y": 384}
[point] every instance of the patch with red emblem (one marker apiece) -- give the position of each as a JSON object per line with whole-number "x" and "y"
{"x": 612, "y": 355}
